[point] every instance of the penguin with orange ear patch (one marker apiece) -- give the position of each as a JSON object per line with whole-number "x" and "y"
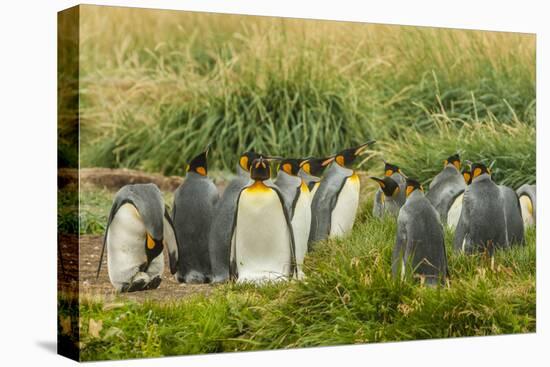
{"x": 311, "y": 170}
{"x": 420, "y": 243}
{"x": 482, "y": 223}
{"x": 335, "y": 204}
{"x": 262, "y": 245}
{"x": 192, "y": 214}
{"x": 446, "y": 187}
{"x": 138, "y": 230}
{"x": 391, "y": 195}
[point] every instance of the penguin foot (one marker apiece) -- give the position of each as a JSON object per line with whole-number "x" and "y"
{"x": 137, "y": 283}
{"x": 153, "y": 284}
{"x": 194, "y": 277}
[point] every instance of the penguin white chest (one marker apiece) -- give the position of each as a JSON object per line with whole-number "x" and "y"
{"x": 526, "y": 211}
{"x": 262, "y": 237}
{"x": 125, "y": 244}
{"x": 454, "y": 212}
{"x": 301, "y": 223}
{"x": 345, "y": 210}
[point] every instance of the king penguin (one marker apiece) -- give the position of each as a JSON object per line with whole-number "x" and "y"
{"x": 527, "y": 197}
{"x": 392, "y": 189}
{"x": 311, "y": 171}
{"x": 219, "y": 241}
{"x": 482, "y": 225}
{"x": 137, "y": 231}
{"x": 336, "y": 201}
{"x": 297, "y": 199}
{"x": 388, "y": 199}
{"x": 512, "y": 214}
{"x": 446, "y": 187}
{"x": 262, "y": 245}
{"x": 453, "y": 215}
{"x": 420, "y": 243}
{"x": 192, "y": 214}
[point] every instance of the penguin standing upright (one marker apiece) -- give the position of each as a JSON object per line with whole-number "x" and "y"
{"x": 262, "y": 246}
{"x": 420, "y": 243}
{"x": 446, "y": 187}
{"x": 392, "y": 189}
{"x": 336, "y": 201}
{"x": 311, "y": 171}
{"x": 192, "y": 214}
{"x": 297, "y": 199}
{"x": 453, "y": 215}
{"x": 512, "y": 215}
{"x": 527, "y": 197}
{"x": 482, "y": 225}
{"x": 137, "y": 230}
{"x": 223, "y": 222}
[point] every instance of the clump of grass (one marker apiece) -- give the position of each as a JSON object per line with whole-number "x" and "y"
{"x": 348, "y": 297}
{"x": 153, "y": 99}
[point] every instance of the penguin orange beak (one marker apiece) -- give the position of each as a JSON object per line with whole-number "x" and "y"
{"x": 379, "y": 181}
{"x": 327, "y": 161}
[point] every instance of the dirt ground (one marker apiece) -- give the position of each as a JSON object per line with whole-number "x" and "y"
{"x": 101, "y": 288}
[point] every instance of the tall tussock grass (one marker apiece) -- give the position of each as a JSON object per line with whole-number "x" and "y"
{"x": 157, "y": 86}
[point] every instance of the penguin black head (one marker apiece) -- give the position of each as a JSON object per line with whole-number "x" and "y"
{"x": 291, "y": 165}
{"x": 316, "y": 166}
{"x": 347, "y": 156}
{"x": 412, "y": 185}
{"x": 390, "y": 169}
{"x": 388, "y": 185}
{"x": 260, "y": 169}
{"x": 478, "y": 169}
{"x": 246, "y": 159}
{"x": 198, "y": 164}
{"x": 454, "y": 160}
{"x": 153, "y": 248}
{"x": 467, "y": 174}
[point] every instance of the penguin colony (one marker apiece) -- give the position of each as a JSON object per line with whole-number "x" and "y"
{"x": 261, "y": 229}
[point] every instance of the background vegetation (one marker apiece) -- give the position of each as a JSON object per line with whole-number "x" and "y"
{"x": 157, "y": 86}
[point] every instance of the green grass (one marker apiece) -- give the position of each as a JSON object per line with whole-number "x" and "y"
{"x": 157, "y": 86}
{"x": 348, "y": 297}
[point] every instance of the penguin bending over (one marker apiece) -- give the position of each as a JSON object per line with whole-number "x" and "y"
{"x": 527, "y": 197}
{"x": 335, "y": 203}
{"x": 137, "y": 231}
{"x": 192, "y": 214}
{"x": 512, "y": 214}
{"x": 390, "y": 197}
{"x": 262, "y": 245}
{"x": 446, "y": 187}
{"x": 420, "y": 243}
{"x": 223, "y": 222}
{"x": 297, "y": 199}
{"x": 312, "y": 170}
{"x": 482, "y": 225}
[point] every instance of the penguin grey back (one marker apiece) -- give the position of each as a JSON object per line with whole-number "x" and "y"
{"x": 192, "y": 214}
{"x": 324, "y": 201}
{"x": 221, "y": 229}
{"x": 445, "y": 188}
{"x": 148, "y": 200}
{"x": 420, "y": 243}
{"x": 482, "y": 221}
{"x": 512, "y": 215}
{"x": 531, "y": 192}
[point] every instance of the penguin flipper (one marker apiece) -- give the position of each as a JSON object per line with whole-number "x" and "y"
{"x": 400, "y": 244}
{"x": 293, "y": 263}
{"x": 463, "y": 224}
{"x": 171, "y": 241}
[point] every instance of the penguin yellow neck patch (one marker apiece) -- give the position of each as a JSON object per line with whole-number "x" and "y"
{"x": 258, "y": 187}
{"x": 303, "y": 187}
{"x": 150, "y": 242}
